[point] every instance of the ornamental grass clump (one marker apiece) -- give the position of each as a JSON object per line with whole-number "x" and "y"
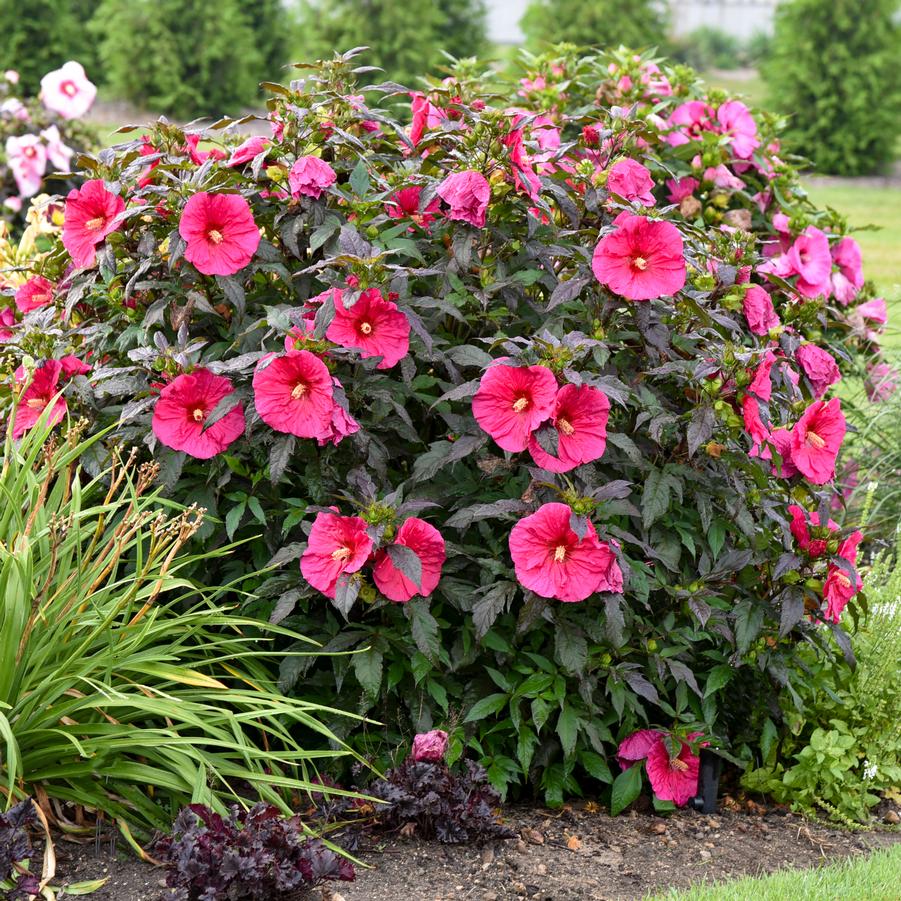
{"x": 516, "y": 389}
{"x": 126, "y": 689}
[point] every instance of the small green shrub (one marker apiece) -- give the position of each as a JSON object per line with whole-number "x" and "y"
{"x": 200, "y": 65}
{"x": 843, "y": 753}
{"x": 596, "y": 23}
{"x": 406, "y": 47}
{"x": 124, "y": 687}
{"x": 833, "y": 70}
{"x": 709, "y": 48}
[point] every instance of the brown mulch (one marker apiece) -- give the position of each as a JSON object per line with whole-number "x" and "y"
{"x": 576, "y": 853}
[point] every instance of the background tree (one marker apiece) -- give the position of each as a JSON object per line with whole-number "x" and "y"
{"x": 833, "y": 70}
{"x": 272, "y": 33}
{"x": 174, "y": 56}
{"x": 37, "y": 36}
{"x": 603, "y": 23}
{"x": 406, "y": 46}
{"x": 464, "y": 31}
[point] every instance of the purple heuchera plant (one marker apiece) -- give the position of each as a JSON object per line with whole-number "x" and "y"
{"x": 430, "y": 746}
{"x": 15, "y": 847}
{"x": 254, "y": 854}
{"x": 440, "y": 804}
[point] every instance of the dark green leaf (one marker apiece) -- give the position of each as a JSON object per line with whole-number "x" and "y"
{"x": 487, "y": 706}
{"x": 626, "y": 788}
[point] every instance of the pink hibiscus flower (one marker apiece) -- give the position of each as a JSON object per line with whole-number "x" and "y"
{"x": 848, "y": 280}
{"x": 754, "y": 425}
{"x": 800, "y": 529}
{"x": 27, "y": 158}
{"x": 310, "y": 177}
{"x": 881, "y": 382}
{"x": 341, "y": 425}
{"x": 580, "y": 418}
{"x": 761, "y": 383}
{"x": 689, "y": 121}
{"x": 428, "y": 545}
{"x": 809, "y": 258}
{"x": 673, "y": 778}
{"x": 57, "y": 152}
{"x": 38, "y": 396}
{"x": 373, "y": 325}
{"x": 72, "y": 366}
{"x": 819, "y": 367}
{"x": 467, "y": 194}
{"x": 781, "y": 439}
{"x": 631, "y": 180}
{"x": 337, "y": 546}
{"x": 512, "y": 401}
{"x": 430, "y": 747}
{"x": 250, "y": 149}
{"x": 183, "y": 407}
{"x": 679, "y": 189}
{"x": 90, "y": 215}
{"x": 759, "y": 311}
{"x": 404, "y": 204}
{"x": 873, "y": 310}
{"x": 7, "y": 323}
{"x": 816, "y": 440}
{"x": 37, "y": 292}
{"x": 641, "y": 260}
{"x": 294, "y": 394}
{"x": 524, "y": 176}
{"x": 220, "y": 233}
{"x": 736, "y": 121}
{"x": 636, "y": 746}
{"x": 551, "y": 560}
{"x": 67, "y": 91}
{"x": 425, "y": 116}
{"x": 839, "y": 586}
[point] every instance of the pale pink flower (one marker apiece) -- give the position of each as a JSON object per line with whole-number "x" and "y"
{"x": 67, "y": 91}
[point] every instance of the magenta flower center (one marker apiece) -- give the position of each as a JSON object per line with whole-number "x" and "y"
{"x": 95, "y": 223}
{"x": 69, "y": 88}
{"x": 639, "y": 263}
{"x": 30, "y": 152}
{"x": 198, "y": 414}
{"x": 299, "y": 390}
{"x": 560, "y": 553}
{"x": 843, "y": 580}
{"x": 565, "y": 426}
{"x": 36, "y": 402}
{"x": 678, "y": 764}
{"x": 365, "y": 328}
{"x": 215, "y": 236}
{"x": 815, "y": 440}
{"x": 520, "y": 404}
{"x": 341, "y": 554}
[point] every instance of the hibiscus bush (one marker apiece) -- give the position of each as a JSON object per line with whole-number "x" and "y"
{"x": 530, "y": 402}
{"x": 36, "y": 133}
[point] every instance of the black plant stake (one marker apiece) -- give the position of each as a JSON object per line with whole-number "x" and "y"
{"x": 708, "y": 781}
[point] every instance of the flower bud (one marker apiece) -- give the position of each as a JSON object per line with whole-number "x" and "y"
{"x": 430, "y": 747}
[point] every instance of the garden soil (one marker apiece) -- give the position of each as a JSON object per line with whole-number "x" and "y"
{"x": 575, "y": 853}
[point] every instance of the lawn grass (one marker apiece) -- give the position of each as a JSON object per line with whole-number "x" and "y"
{"x": 753, "y": 90}
{"x": 874, "y": 878}
{"x": 879, "y": 206}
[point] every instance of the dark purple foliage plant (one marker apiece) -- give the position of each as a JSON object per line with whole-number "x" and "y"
{"x": 16, "y": 851}
{"x": 253, "y": 855}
